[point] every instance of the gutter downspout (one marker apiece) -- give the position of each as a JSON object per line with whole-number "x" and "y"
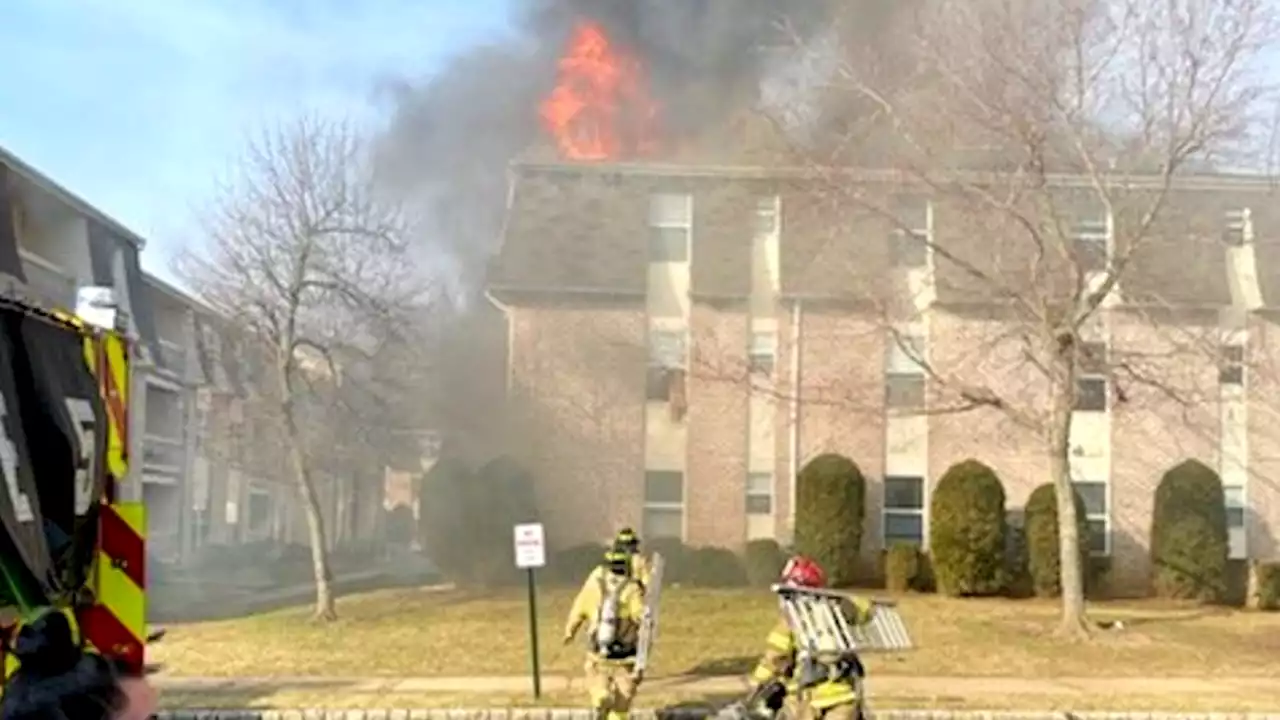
{"x": 794, "y": 424}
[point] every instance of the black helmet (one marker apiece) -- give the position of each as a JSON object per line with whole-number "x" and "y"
{"x": 627, "y": 539}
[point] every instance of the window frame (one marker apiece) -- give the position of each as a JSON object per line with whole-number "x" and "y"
{"x": 886, "y": 511}
{"x": 648, "y": 505}
{"x": 1243, "y": 509}
{"x": 1238, "y": 227}
{"x": 658, "y": 225}
{"x": 768, "y": 206}
{"x": 1091, "y": 517}
{"x": 769, "y": 494}
{"x": 762, "y": 353}
{"x": 914, "y": 375}
{"x": 658, "y": 373}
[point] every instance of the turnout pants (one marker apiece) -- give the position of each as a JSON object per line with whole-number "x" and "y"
{"x": 846, "y": 711}
{"x": 612, "y": 687}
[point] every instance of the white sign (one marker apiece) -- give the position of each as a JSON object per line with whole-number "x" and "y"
{"x": 531, "y": 546}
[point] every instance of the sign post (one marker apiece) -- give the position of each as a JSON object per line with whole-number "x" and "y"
{"x": 531, "y": 554}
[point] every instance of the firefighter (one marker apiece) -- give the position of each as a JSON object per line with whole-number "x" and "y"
{"x": 835, "y": 699}
{"x": 612, "y": 608}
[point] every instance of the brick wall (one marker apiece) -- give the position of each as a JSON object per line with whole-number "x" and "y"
{"x": 578, "y": 380}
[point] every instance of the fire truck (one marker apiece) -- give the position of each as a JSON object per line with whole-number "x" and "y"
{"x": 72, "y": 529}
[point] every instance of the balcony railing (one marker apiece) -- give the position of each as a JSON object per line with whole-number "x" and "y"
{"x": 47, "y": 282}
{"x": 173, "y": 358}
{"x": 163, "y": 455}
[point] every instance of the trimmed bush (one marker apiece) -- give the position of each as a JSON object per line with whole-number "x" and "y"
{"x": 1189, "y": 535}
{"x": 466, "y": 526}
{"x": 1044, "y": 562}
{"x": 572, "y": 564}
{"x": 830, "y": 499}
{"x": 715, "y": 567}
{"x": 1267, "y": 577}
{"x": 675, "y": 558}
{"x": 764, "y": 560}
{"x": 967, "y": 531}
{"x": 901, "y": 567}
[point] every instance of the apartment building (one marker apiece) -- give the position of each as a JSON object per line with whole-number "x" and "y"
{"x": 684, "y": 339}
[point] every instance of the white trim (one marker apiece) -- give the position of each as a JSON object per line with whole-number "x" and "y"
{"x": 771, "y": 493}
{"x": 686, "y": 224}
{"x": 163, "y": 383}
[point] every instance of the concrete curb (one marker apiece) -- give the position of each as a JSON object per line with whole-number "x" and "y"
{"x": 680, "y": 714}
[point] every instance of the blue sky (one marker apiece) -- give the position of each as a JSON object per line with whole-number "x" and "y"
{"x": 137, "y": 105}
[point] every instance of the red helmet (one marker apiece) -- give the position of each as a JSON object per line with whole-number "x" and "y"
{"x": 803, "y": 572}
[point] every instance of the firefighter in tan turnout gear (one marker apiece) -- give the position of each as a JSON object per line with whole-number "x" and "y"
{"x": 611, "y": 605}
{"x": 629, "y": 542}
{"x": 823, "y": 691}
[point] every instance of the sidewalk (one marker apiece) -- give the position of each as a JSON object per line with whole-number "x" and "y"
{"x": 878, "y": 685}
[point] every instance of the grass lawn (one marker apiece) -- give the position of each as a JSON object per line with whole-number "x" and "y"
{"x": 422, "y": 633}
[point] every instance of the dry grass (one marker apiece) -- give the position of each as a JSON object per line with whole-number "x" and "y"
{"x": 419, "y": 633}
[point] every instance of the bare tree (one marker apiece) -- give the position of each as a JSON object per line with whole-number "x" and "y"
{"x": 1057, "y": 137}
{"x": 312, "y": 263}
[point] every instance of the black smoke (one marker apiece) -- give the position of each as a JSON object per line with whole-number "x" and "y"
{"x": 452, "y": 136}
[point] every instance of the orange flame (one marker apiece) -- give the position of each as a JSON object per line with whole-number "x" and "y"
{"x": 599, "y": 109}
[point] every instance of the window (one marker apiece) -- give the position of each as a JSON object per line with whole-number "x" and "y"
{"x": 766, "y": 216}
{"x": 667, "y": 353}
{"x": 1092, "y": 387}
{"x": 259, "y": 510}
{"x": 763, "y": 352}
{"x": 904, "y": 375}
{"x": 1239, "y": 227}
{"x": 670, "y": 225}
{"x": 664, "y": 504}
{"x": 760, "y": 493}
{"x": 1094, "y": 495}
{"x": 1231, "y": 365}
{"x": 903, "y": 510}
{"x": 1091, "y": 239}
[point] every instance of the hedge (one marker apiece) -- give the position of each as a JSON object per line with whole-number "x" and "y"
{"x": 764, "y": 560}
{"x": 902, "y": 565}
{"x": 572, "y": 564}
{"x": 830, "y": 500}
{"x": 1267, "y": 576}
{"x": 967, "y": 531}
{"x": 1189, "y": 535}
{"x": 1044, "y": 561}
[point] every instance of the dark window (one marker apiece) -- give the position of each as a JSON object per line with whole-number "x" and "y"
{"x": 1091, "y": 394}
{"x": 1231, "y": 370}
{"x": 1090, "y": 246}
{"x": 1235, "y": 517}
{"x": 664, "y": 487}
{"x": 904, "y": 392}
{"x": 1094, "y": 495}
{"x": 761, "y": 363}
{"x": 1093, "y": 358}
{"x": 902, "y": 527}
{"x": 663, "y": 522}
{"x": 760, "y": 494}
{"x": 668, "y": 244}
{"x": 658, "y": 384}
{"x": 259, "y": 509}
{"x": 1098, "y": 536}
{"x": 908, "y": 249}
{"x": 766, "y": 216}
{"x": 903, "y": 492}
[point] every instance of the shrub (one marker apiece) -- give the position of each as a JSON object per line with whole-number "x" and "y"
{"x": 1189, "y": 535}
{"x": 466, "y": 526}
{"x": 901, "y": 567}
{"x": 764, "y": 560}
{"x": 572, "y": 564}
{"x": 967, "y": 531}
{"x": 676, "y": 567}
{"x": 830, "y": 495}
{"x": 1044, "y": 561}
{"x": 1016, "y": 562}
{"x": 1267, "y": 577}
{"x": 715, "y": 567}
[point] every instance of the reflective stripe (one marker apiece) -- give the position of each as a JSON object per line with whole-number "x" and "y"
{"x": 780, "y": 641}
{"x": 831, "y": 693}
{"x": 761, "y": 674}
{"x": 116, "y": 625}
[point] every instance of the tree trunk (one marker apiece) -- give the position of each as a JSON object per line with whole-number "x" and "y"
{"x": 325, "y": 609}
{"x": 1074, "y": 623}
